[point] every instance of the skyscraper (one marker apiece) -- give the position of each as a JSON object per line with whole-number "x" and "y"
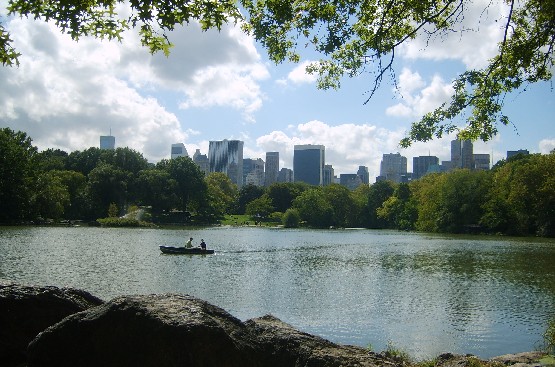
{"x": 421, "y": 164}
{"x": 226, "y": 156}
{"x": 253, "y": 171}
{"x": 363, "y": 174}
{"x": 481, "y": 162}
{"x": 107, "y": 142}
{"x": 201, "y": 160}
{"x": 393, "y": 167}
{"x": 308, "y": 164}
{"x": 329, "y": 173}
{"x": 462, "y": 154}
{"x": 272, "y": 168}
{"x": 179, "y": 150}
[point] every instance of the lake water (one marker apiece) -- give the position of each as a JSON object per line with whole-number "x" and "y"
{"x": 426, "y": 294}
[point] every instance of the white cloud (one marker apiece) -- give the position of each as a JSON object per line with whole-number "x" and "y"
{"x": 546, "y": 146}
{"x": 65, "y": 94}
{"x": 474, "y": 42}
{"x": 417, "y": 97}
{"x": 299, "y": 75}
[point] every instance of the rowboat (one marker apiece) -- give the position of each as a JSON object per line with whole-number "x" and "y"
{"x": 185, "y": 251}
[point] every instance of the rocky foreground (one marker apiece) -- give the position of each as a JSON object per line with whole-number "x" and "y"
{"x": 49, "y": 326}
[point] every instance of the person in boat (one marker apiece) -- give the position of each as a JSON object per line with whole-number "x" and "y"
{"x": 189, "y": 243}
{"x": 202, "y": 245}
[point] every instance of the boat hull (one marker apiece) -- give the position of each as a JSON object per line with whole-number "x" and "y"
{"x": 184, "y": 251}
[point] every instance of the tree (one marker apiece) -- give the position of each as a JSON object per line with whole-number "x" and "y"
{"x": 17, "y": 175}
{"x": 261, "y": 207}
{"x": 379, "y": 192}
{"x": 247, "y": 194}
{"x": 222, "y": 193}
{"x": 340, "y": 200}
{"x": 156, "y": 188}
{"x": 283, "y": 194}
{"x": 191, "y": 187}
{"x": 354, "y": 36}
{"x": 107, "y": 185}
{"x": 314, "y": 208}
{"x": 291, "y": 218}
{"x": 51, "y": 196}
{"x": 399, "y": 210}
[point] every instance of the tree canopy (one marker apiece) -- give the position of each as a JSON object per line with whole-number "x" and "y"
{"x": 352, "y": 37}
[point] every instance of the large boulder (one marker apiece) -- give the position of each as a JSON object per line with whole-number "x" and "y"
{"x": 26, "y": 310}
{"x": 149, "y": 330}
{"x": 282, "y": 345}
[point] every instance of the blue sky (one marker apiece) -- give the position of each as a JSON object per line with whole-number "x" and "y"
{"x": 216, "y": 86}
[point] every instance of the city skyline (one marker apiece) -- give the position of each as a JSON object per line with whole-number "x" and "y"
{"x": 221, "y": 85}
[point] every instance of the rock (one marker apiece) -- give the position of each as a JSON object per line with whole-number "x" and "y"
{"x": 25, "y": 311}
{"x": 527, "y": 359}
{"x": 282, "y": 345}
{"x": 177, "y": 330}
{"x": 153, "y": 330}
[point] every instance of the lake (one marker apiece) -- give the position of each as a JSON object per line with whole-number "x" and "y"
{"x": 425, "y": 294}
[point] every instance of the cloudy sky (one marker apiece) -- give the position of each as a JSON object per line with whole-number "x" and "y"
{"x": 221, "y": 85}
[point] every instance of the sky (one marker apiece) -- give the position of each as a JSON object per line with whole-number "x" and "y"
{"x": 221, "y": 85}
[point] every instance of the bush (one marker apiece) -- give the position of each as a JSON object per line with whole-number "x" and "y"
{"x": 123, "y": 222}
{"x": 291, "y": 218}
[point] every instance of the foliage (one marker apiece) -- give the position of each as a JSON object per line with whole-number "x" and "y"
{"x": 156, "y": 188}
{"x": 261, "y": 207}
{"x": 314, "y": 209}
{"x": 191, "y": 187}
{"x": 549, "y": 336}
{"x": 355, "y": 36}
{"x": 222, "y": 193}
{"x": 377, "y": 195}
{"x": 123, "y": 222}
{"x": 352, "y": 37}
{"x": 51, "y": 196}
{"x": 283, "y": 194}
{"x": 399, "y": 210}
{"x": 339, "y": 197}
{"x": 113, "y": 210}
{"x": 291, "y": 218}
{"x": 247, "y": 194}
{"x": 17, "y": 175}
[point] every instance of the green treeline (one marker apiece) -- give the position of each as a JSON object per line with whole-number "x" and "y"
{"x": 517, "y": 197}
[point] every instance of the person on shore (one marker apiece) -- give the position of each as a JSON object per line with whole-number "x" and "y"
{"x": 202, "y": 244}
{"x": 189, "y": 243}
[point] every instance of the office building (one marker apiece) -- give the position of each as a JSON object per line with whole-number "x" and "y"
{"x": 363, "y": 174}
{"x": 201, "y": 160}
{"x": 272, "y": 168}
{"x": 179, "y": 150}
{"x": 226, "y": 156}
{"x": 108, "y": 142}
{"x": 421, "y": 165}
{"x": 253, "y": 171}
{"x": 512, "y": 153}
{"x": 308, "y": 164}
{"x": 350, "y": 180}
{"x": 328, "y": 174}
{"x": 393, "y": 168}
{"x": 285, "y": 175}
{"x": 462, "y": 154}
{"x": 481, "y": 162}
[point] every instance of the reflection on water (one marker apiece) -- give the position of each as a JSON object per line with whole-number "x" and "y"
{"x": 427, "y": 294}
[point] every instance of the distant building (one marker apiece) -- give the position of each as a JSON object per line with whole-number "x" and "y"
{"x": 482, "y": 162}
{"x": 512, "y": 153}
{"x": 350, "y": 180}
{"x": 285, "y": 175}
{"x": 393, "y": 168}
{"x": 108, "y": 142}
{"x": 201, "y": 160}
{"x": 253, "y": 171}
{"x": 462, "y": 154}
{"x": 328, "y": 174}
{"x": 363, "y": 174}
{"x": 272, "y": 168}
{"x": 226, "y": 156}
{"x": 308, "y": 164}
{"x": 179, "y": 150}
{"x": 421, "y": 164}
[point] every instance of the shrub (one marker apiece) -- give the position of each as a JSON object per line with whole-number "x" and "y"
{"x": 291, "y": 218}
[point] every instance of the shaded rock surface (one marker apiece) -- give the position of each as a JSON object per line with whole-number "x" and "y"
{"x": 26, "y": 310}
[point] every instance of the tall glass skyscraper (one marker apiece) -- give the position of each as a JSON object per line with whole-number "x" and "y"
{"x": 226, "y": 156}
{"x": 272, "y": 168}
{"x": 308, "y": 164}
